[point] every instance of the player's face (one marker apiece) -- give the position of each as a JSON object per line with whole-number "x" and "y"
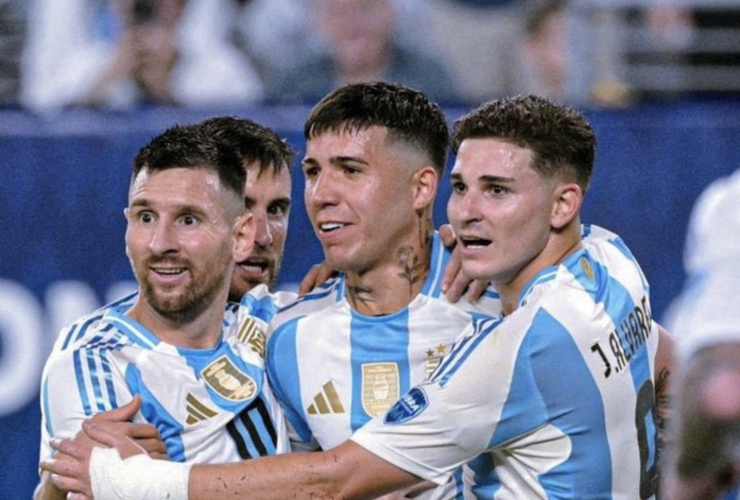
{"x": 359, "y": 198}
{"x": 267, "y": 197}
{"x": 179, "y": 239}
{"x": 500, "y": 209}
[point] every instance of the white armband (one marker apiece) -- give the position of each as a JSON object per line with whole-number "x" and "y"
{"x": 136, "y": 478}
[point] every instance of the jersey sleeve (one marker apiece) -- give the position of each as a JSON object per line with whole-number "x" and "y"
{"x": 441, "y": 424}
{"x": 76, "y": 384}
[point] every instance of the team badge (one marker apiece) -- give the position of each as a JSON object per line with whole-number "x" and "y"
{"x": 411, "y": 405}
{"x": 587, "y": 269}
{"x": 250, "y": 334}
{"x": 380, "y": 387}
{"x": 434, "y": 357}
{"x": 227, "y": 380}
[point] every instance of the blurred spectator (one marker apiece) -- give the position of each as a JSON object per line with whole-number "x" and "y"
{"x": 705, "y": 459}
{"x": 360, "y": 43}
{"x": 478, "y": 40}
{"x": 12, "y": 32}
{"x": 562, "y": 58}
{"x": 120, "y": 53}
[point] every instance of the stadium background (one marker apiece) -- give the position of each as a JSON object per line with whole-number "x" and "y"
{"x": 63, "y": 189}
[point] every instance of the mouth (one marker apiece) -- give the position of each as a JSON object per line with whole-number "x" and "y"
{"x": 255, "y": 267}
{"x": 168, "y": 275}
{"x": 473, "y": 242}
{"x": 329, "y": 227}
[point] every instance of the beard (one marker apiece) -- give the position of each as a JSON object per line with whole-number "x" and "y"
{"x": 184, "y": 306}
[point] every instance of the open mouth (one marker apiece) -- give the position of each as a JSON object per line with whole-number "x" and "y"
{"x": 328, "y": 227}
{"x": 254, "y": 266}
{"x": 471, "y": 242}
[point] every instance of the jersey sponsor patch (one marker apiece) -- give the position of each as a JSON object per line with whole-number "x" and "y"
{"x": 410, "y": 406}
{"x": 380, "y": 387}
{"x": 227, "y": 380}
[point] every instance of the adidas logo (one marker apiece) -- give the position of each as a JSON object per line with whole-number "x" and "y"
{"x": 197, "y": 411}
{"x": 326, "y": 402}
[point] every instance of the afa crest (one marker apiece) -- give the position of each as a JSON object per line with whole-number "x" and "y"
{"x": 224, "y": 377}
{"x": 380, "y": 387}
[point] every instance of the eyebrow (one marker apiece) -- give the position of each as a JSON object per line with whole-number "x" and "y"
{"x": 185, "y": 208}
{"x": 337, "y": 160}
{"x": 485, "y": 178}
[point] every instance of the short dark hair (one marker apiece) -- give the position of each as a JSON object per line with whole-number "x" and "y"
{"x": 408, "y": 114}
{"x": 252, "y": 142}
{"x": 561, "y": 138}
{"x": 189, "y": 146}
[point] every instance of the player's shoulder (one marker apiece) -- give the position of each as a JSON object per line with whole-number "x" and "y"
{"x": 86, "y": 328}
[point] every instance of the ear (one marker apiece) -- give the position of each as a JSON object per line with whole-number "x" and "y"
{"x": 424, "y": 184}
{"x": 244, "y": 232}
{"x": 566, "y": 204}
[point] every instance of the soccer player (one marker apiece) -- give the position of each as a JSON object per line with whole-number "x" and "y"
{"x": 267, "y": 160}
{"x": 554, "y": 399}
{"x": 345, "y": 352}
{"x": 212, "y": 402}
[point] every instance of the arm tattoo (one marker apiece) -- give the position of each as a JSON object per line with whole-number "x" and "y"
{"x": 664, "y": 409}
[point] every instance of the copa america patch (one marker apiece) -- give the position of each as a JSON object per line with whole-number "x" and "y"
{"x": 409, "y": 406}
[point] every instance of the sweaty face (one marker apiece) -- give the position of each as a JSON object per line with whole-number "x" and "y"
{"x": 179, "y": 240}
{"x": 267, "y": 197}
{"x": 500, "y": 209}
{"x": 359, "y": 197}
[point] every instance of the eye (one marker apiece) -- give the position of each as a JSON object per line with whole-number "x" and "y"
{"x": 496, "y": 189}
{"x": 189, "y": 220}
{"x": 310, "y": 171}
{"x": 145, "y": 217}
{"x": 277, "y": 209}
{"x": 458, "y": 187}
{"x": 350, "y": 170}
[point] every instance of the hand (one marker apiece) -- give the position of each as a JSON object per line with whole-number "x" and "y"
{"x": 71, "y": 467}
{"x": 454, "y": 281}
{"x": 315, "y": 276}
{"x": 118, "y": 422}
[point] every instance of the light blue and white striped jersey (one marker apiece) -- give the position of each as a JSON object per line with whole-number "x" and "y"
{"x": 555, "y": 401}
{"x": 209, "y": 405}
{"x": 333, "y": 369}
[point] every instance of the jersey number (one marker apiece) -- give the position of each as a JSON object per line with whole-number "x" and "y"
{"x": 646, "y": 409}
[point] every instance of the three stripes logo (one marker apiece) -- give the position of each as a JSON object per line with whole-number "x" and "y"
{"x": 326, "y": 402}
{"x": 197, "y": 411}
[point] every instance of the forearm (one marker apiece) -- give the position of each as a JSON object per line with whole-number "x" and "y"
{"x": 348, "y": 472}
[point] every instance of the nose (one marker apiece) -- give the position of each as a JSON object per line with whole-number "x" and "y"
{"x": 163, "y": 238}
{"x": 263, "y": 234}
{"x": 321, "y": 191}
{"x": 463, "y": 209}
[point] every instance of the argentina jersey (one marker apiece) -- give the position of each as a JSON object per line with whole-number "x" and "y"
{"x": 333, "y": 369}
{"x": 554, "y": 401}
{"x": 209, "y": 405}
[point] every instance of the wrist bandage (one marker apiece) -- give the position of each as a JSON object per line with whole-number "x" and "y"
{"x": 136, "y": 478}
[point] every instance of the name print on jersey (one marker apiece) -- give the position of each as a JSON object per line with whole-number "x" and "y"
{"x": 626, "y": 340}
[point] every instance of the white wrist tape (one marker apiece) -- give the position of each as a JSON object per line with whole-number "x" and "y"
{"x": 136, "y": 478}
